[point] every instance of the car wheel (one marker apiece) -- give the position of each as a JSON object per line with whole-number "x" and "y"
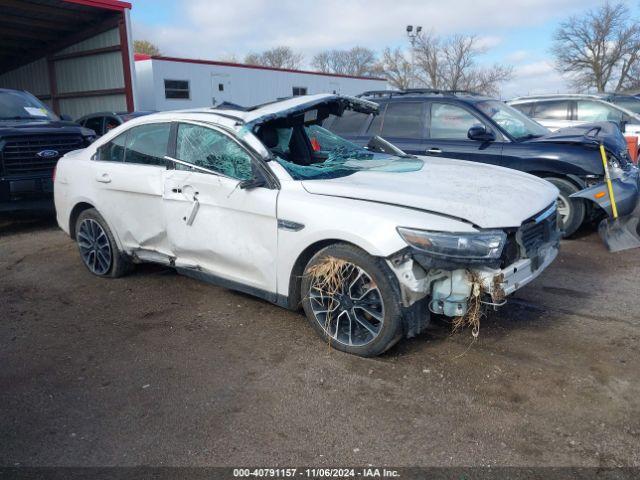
{"x": 351, "y": 299}
{"x": 572, "y": 211}
{"x": 98, "y": 249}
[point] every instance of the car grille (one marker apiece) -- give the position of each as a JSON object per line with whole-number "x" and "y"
{"x": 542, "y": 228}
{"x": 19, "y": 154}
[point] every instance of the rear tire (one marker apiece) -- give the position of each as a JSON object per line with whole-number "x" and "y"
{"x": 98, "y": 250}
{"x": 572, "y": 211}
{"x": 363, "y": 317}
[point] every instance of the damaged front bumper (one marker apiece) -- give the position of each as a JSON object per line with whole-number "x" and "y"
{"x": 449, "y": 291}
{"x": 626, "y": 185}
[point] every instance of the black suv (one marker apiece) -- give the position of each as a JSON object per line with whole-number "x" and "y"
{"x": 467, "y": 126}
{"x": 32, "y": 139}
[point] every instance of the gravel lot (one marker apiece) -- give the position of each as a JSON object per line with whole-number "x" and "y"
{"x": 159, "y": 369}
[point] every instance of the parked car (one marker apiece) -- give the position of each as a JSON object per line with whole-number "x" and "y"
{"x": 568, "y": 110}
{"x": 367, "y": 242}
{"x": 102, "y": 122}
{"x": 32, "y": 139}
{"x": 473, "y": 127}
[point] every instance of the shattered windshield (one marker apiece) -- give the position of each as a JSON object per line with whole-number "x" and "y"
{"x": 515, "y": 123}
{"x": 334, "y": 157}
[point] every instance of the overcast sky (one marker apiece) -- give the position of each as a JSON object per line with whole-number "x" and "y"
{"x": 518, "y": 32}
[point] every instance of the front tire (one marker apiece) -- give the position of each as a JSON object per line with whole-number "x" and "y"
{"x": 572, "y": 211}
{"x": 361, "y": 314}
{"x": 98, "y": 249}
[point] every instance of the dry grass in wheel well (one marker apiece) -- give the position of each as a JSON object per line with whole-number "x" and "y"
{"x": 327, "y": 279}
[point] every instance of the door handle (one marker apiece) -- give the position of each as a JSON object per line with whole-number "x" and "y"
{"x": 176, "y": 190}
{"x": 434, "y": 151}
{"x": 194, "y": 210}
{"x": 103, "y": 178}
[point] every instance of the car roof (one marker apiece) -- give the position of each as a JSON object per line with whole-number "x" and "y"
{"x": 135, "y": 113}
{"x": 411, "y": 94}
{"x": 265, "y": 112}
{"x": 573, "y": 96}
{"x": 562, "y": 96}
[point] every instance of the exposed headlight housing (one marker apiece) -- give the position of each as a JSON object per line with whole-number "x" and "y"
{"x": 613, "y": 161}
{"x": 473, "y": 246}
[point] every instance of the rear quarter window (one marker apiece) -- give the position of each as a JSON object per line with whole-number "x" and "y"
{"x": 112, "y": 151}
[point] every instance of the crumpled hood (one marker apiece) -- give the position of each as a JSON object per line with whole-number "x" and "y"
{"x": 589, "y": 134}
{"x": 485, "y": 195}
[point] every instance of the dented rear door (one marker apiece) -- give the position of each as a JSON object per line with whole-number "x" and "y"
{"x": 128, "y": 175}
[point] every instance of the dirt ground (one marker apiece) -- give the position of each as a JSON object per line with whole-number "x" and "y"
{"x": 159, "y": 369}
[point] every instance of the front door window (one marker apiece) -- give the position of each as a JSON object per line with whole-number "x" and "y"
{"x": 213, "y": 150}
{"x": 449, "y": 122}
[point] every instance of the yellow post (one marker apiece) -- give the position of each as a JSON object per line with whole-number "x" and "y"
{"x": 607, "y": 178}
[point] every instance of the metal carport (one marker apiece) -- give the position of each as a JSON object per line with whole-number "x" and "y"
{"x": 75, "y": 55}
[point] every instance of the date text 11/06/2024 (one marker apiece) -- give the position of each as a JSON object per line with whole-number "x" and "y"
{"x": 369, "y": 472}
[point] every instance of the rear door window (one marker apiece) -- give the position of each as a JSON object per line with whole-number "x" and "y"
{"x": 552, "y": 110}
{"x": 450, "y": 122}
{"x": 147, "y": 144}
{"x": 110, "y": 123}
{"x": 404, "y": 120}
{"x": 95, "y": 124}
{"x": 588, "y": 111}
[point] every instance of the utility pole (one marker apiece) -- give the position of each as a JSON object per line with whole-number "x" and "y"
{"x": 413, "y": 36}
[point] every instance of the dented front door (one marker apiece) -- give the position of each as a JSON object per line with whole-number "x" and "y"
{"x": 214, "y": 226}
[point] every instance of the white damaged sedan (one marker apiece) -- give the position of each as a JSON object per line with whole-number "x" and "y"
{"x": 264, "y": 200}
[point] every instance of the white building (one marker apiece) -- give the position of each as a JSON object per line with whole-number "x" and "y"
{"x": 167, "y": 83}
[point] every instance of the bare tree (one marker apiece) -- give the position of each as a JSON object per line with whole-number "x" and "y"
{"x": 599, "y": 48}
{"x": 146, "y": 47}
{"x": 428, "y": 59}
{"x": 633, "y": 82}
{"x": 396, "y": 68}
{"x": 278, "y": 57}
{"x": 323, "y": 61}
{"x": 228, "y": 57}
{"x": 355, "y": 61}
{"x": 450, "y": 63}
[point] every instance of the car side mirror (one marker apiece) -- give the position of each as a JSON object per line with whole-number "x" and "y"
{"x": 66, "y": 118}
{"x": 252, "y": 183}
{"x": 481, "y": 134}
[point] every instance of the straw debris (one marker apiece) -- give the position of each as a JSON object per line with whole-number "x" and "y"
{"x": 475, "y": 311}
{"x": 327, "y": 280}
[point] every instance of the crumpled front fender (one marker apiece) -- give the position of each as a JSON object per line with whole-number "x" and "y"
{"x": 625, "y": 191}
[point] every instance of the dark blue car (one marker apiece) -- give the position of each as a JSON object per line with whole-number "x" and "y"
{"x": 471, "y": 127}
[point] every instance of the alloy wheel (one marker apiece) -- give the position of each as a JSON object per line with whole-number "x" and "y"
{"x": 353, "y": 314}
{"x": 564, "y": 209}
{"x": 94, "y": 245}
